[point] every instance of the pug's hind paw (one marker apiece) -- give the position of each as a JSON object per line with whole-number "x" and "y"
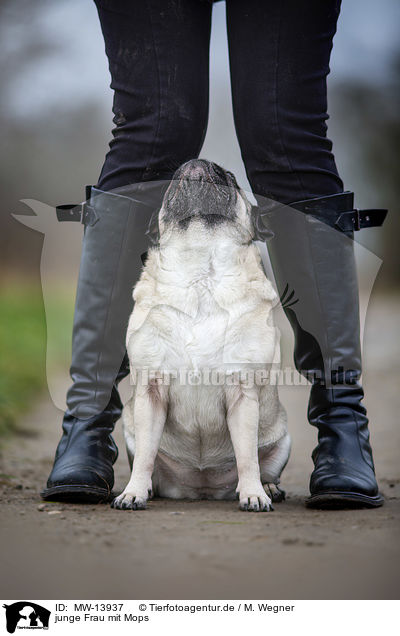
{"x": 275, "y": 493}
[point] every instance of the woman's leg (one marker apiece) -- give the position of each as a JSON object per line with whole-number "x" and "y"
{"x": 279, "y": 57}
{"x": 158, "y": 54}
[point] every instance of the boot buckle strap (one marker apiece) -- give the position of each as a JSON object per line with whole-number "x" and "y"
{"x": 81, "y": 213}
{"x": 78, "y": 212}
{"x": 334, "y": 210}
{"x": 356, "y": 219}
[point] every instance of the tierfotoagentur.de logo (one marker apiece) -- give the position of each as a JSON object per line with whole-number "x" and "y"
{"x": 26, "y": 615}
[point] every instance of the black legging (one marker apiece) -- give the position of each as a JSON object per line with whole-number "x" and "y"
{"x": 279, "y": 52}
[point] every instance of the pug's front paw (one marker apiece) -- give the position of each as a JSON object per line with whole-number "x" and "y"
{"x": 253, "y": 498}
{"x": 131, "y": 500}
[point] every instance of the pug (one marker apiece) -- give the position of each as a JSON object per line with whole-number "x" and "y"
{"x": 204, "y": 420}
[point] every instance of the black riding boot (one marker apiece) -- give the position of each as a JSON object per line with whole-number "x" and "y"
{"x": 312, "y": 257}
{"x": 83, "y": 465}
{"x": 116, "y": 236}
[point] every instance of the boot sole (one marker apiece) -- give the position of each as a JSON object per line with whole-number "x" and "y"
{"x": 341, "y": 500}
{"x": 77, "y": 494}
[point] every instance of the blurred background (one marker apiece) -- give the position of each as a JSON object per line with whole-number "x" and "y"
{"x": 55, "y": 118}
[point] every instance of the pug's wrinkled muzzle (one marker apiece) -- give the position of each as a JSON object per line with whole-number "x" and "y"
{"x": 200, "y": 188}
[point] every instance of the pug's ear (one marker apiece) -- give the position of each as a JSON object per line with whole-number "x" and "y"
{"x": 153, "y": 230}
{"x": 259, "y": 220}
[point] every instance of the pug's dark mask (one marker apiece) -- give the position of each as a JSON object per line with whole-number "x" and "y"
{"x": 200, "y": 189}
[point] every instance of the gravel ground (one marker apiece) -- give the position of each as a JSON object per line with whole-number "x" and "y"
{"x": 209, "y": 550}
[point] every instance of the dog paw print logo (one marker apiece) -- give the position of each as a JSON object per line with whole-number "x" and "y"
{"x": 26, "y": 615}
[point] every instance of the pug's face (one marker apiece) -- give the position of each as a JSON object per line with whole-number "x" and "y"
{"x": 204, "y": 191}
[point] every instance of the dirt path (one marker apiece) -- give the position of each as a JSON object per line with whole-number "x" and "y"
{"x": 204, "y": 549}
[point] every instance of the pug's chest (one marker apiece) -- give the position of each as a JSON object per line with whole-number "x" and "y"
{"x": 201, "y": 340}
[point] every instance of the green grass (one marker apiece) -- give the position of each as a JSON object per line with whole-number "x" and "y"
{"x": 23, "y": 348}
